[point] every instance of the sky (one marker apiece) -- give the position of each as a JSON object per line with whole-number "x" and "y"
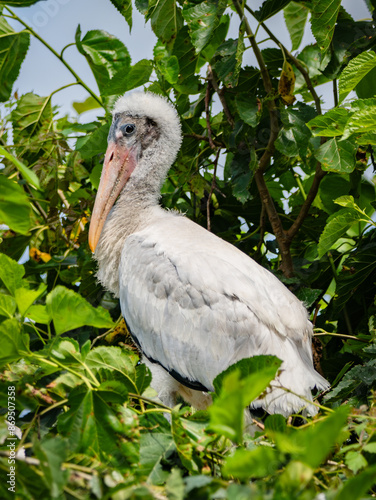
{"x": 56, "y": 22}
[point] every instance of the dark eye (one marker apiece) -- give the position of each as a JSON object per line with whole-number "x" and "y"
{"x": 128, "y": 129}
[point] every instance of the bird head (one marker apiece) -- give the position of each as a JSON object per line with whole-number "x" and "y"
{"x": 143, "y": 141}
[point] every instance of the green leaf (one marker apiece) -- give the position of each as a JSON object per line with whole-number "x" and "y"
{"x": 202, "y": 19}
{"x": 337, "y": 226}
{"x": 86, "y": 105}
{"x": 153, "y": 447}
{"x": 69, "y": 311}
{"x": 13, "y": 48}
{"x": 331, "y": 124}
{"x": 15, "y": 208}
{"x": 354, "y": 72}
{"x": 229, "y": 64}
{"x": 323, "y": 20}
{"x": 363, "y": 120}
{"x": 14, "y": 344}
{"x": 94, "y": 143}
{"x": 166, "y": 19}
{"x": 39, "y": 314}
{"x": 295, "y": 17}
{"x": 11, "y": 273}
{"x": 257, "y": 463}
{"x": 355, "y": 461}
{"x": 175, "y": 485}
{"x": 184, "y": 51}
{"x": 237, "y": 387}
{"x": 293, "y": 138}
{"x": 25, "y": 297}
{"x": 357, "y": 486}
{"x": 337, "y": 156}
{"x": 52, "y": 453}
{"x": 167, "y": 66}
{"x": 7, "y": 305}
{"x": 105, "y": 54}
{"x": 27, "y": 174}
{"x": 90, "y": 425}
{"x": 366, "y": 88}
{"x": 119, "y": 363}
{"x": 125, "y": 9}
{"x": 129, "y": 78}
{"x": 32, "y": 115}
{"x": 242, "y": 166}
{"x": 182, "y": 441}
{"x": 312, "y": 445}
{"x": 269, "y": 8}
{"x": 248, "y": 109}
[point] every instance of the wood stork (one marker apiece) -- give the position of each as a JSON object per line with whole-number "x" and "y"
{"x": 193, "y": 303}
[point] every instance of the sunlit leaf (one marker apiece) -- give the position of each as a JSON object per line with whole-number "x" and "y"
{"x": 324, "y": 17}
{"x": 331, "y": 124}
{"x": 14, "y": 344}
{"x": 337, "y": 226}
{"x": 13, "y": 48}
{"x": 354, "y": 72}
{"x": 295, "y": 17}
{"x": 337, "y": 156}
{"x": 125, "y": 8}
{"x": 15, "y": 208}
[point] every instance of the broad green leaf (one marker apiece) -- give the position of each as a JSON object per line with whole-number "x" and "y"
{"x": 129, "y": 78}
{"x": 39, "y": 314}
{"x": 354, "y": 72}
{"x": 295, "y": 17}
{"x": 269, "y": 8}
{"x": 25, "y": 297}
{"x": 52, "y": 453}
{"x": 237, "y": 387}
{"x": 13, "y": 48}
{"x": 32, "y": 114}
{"x": 27, "y": 174}
{"x": 248, "y": 109}
{"x": 175, "y": 485}
{"x": 69, "y": 311}
{"x": 125, "y": 9}
{"x": 242, "y": 166}
{"x": 219, "y": 34}
{"x": 312, "y": 445}
{"x": 293, "y": 138}
{"x": 337, "y": 156}
{"x": 153, "y": 447}
{"x": 15, "y": 208}
{"x": 331, "y": 124}
{"x": 94, "y": 143}
{"x": 355, "y": 461}
{"x": 346, "y": 201}
{"x": 14, "y": 344}
{"x": 323, "y": 20}
{"x": 120, "y": 364}
{"x": 86, "y": 105}
{"x": 183, "y": 49}
{"x": 366, "y": 88}
{"x": 257, "y": 463}
{"x": 166, "y": 19}
{"x": 202, "y": 19}
{"x": 337, "y": 226}
{"x": 105, "y": 54}
{"x": 167, "y": 66}
{"x": 90, "y": 425}
{"x": 352, "y": 381}
{"x": 363, "y": 265}
{"x": 7, "y": 305}
{"x": 363, "y": 120}
{"x": 11, "y": 273}
{"x": 229, "y": 64}
{"x": 357, "y": 486}
{"x": 182, "y": 441}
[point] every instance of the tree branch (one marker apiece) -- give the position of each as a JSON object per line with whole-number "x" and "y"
{"x": 296, "y": 61}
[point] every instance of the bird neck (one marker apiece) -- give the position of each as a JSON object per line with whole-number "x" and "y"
{"x": 135, "y": 210}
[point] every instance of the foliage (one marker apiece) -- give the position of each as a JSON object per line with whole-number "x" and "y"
{"x": 296, "y": 193}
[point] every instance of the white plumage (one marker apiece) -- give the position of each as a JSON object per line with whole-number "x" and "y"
{"x": 194, "y": 303}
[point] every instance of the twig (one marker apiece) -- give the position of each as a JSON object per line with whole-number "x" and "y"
{"x": 296, "y": 61}
{"x": 207, "y": 113}
{"x": 205, "y": 138}
{"x": 208, "y": 223}
{"x": 213, "y": 81}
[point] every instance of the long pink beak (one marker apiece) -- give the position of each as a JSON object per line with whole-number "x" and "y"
{"x": 118, "y": 166}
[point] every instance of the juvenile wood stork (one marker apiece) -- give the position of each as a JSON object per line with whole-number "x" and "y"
{"x": 193, "y": 303}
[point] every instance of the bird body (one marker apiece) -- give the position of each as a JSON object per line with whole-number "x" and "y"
{"x": 193, "y": 303}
